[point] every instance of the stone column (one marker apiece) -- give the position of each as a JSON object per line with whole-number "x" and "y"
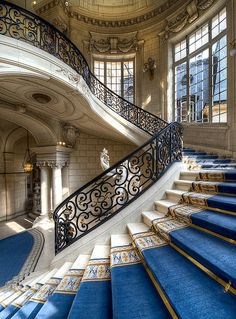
{"x": 56, "y": 185}
{"x": 45, "y": 190}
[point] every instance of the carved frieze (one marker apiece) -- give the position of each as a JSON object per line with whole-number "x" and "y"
{"x": 189, "y": 15}
{"x": 120, "y": 43}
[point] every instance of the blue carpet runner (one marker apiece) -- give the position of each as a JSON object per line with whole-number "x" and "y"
{"x": 220, "y": 176}
{"x": 219, "y": 202}
{"x": 31, "y": 308}
{"x": 190, "y": 291}
{"x": 93, "y": 299}
{"x": 59, "y": 303}
{"x": 19, "y": 255}
{"x": 228, "y": 188}
{"x": 222, "y": 224}
{"x": 133, "y": 293}
{"x": 12, "y": 308}
{"x": 212, "y": 252}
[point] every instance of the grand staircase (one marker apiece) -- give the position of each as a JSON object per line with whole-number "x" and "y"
{"x": 180, "y": 262}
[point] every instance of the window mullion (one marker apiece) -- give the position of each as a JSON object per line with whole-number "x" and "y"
{"x": 188, "y": 82}
{"x": 210, "y": 76}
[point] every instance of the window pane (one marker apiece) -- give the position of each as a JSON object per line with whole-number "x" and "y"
{"x": 219, "y": 23}
{"x": 198, "y": 38}
{"x": 199, "y": 87}
{"x": 181, "y": 81}
{"x": 110, "y": 73}
{"x": 219, "y": 81}
{"x": 180, "y": 50}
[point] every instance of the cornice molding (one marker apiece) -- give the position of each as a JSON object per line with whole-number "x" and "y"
{"x": 106, "y": 23}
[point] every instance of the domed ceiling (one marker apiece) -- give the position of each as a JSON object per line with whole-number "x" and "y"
{"x": 118, "y": 9}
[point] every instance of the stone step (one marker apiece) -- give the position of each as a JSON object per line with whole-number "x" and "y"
{"x": 183, "y": 185}
{"x": 174, "y": 195}
{"x": 151, "y": 215}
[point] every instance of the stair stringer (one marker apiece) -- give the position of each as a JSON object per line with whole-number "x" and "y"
{"x": 118, "y": 223}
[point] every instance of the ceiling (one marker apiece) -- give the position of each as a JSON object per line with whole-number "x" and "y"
{"x": 115, "y": 9}
{"x": 104, "y": 9}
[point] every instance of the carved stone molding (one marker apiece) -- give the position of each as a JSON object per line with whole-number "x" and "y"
{"x": 73, "y": 78}
{"x": 70, "y": 133}
{"x": 60, "y": 24}
{"x": 186, "y": 17}
{"x": 52, "y": 164}
{"x": 120, "y": 43}
{"x": 106, "y": 23}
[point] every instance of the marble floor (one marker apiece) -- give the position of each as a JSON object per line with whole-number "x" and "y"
{"x": 15, "y": 226}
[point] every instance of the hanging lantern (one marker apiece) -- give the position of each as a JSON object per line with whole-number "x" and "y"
{"x": 27, "y": 163}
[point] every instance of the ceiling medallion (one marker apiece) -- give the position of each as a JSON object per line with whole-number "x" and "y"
{"x": 41, "y": 98}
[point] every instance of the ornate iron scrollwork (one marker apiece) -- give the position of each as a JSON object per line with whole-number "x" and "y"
{"x": 115, "y": 188}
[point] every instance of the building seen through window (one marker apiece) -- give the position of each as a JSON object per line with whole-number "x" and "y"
{"x": 117, "y": 76}
{"x": 201, "y": 74}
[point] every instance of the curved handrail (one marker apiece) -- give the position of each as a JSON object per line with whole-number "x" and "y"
{"x": 105, "y": 195}
{"x": 23, "y": 25}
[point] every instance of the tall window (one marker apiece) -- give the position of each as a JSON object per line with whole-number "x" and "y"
{"x": 200, "y": 65}
{"x": 117, "y": 76}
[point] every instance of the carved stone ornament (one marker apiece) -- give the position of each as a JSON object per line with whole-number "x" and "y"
{"x": 117, "y": 44}
{"x": 73, "y": 78}
{"x": 60, "y": 24}
{"x": 104, "y": 159}
{"x": 186, "y": 17}
{"x": 70, "y": 133}
{"x": 52, "y": 164}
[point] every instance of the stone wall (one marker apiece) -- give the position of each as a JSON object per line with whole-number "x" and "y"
{"x": 85, "y": 159}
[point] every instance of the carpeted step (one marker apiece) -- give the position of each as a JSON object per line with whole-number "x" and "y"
{"x": 12, "y": 306}
{"x": 191, "y": 293}
{"x": 31, "y": 308}
{"x": 217, "y": 166}
{"x": 219, "y": 223}
{"x": 59, "y": 303}
{"x": 214, "y": 176}
{"x": 189, "y": 153}
{"x": 212, "y": 161}
{"x": 133, "y": 293}
{"x": 203, "y": 157}
{"x": 93, "y": 299}
{"x": 222, "y": 203}
{"x": 213, "y": 187}
{"x": 212, "y": 252}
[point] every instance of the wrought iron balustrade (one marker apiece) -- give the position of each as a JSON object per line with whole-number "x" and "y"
{"x": 108, "y": 193}
{"x": 20, "y": 24}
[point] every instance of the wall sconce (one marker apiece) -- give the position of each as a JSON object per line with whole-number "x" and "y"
{"x": 150, "y": 66}
{"x": 232, "y": 51}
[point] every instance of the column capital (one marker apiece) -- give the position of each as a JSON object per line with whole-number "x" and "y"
{"x": 52, "y": 156}
{"x": 52, "y": 164}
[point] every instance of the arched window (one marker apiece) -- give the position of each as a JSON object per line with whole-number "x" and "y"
{"x": 200, "y": 66}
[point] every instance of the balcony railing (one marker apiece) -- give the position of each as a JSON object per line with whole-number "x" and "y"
{"x": 108, "y": 193}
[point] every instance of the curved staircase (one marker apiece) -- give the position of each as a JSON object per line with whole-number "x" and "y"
{"x": 179, "y": 262}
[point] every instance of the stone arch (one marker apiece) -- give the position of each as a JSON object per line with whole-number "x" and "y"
{"x": 43, "y": 134}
